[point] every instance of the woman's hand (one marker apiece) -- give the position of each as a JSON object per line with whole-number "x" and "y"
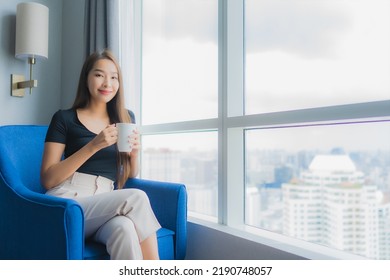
{"x": 134, "y": 140}
{"x": 106, "y": 137}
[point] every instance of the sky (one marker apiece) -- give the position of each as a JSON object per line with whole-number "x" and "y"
{"x": 299, "y": 54}
{"x": 320, "y": 53}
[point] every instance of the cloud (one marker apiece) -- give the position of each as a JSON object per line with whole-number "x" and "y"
{"x": 300, "y": 27}
{"x": 174, "y": 19}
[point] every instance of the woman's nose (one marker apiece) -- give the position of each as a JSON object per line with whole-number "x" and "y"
{"x": 107, "y": 82}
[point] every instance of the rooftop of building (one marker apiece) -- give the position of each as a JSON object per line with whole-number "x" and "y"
{"x": 332, "y": 163}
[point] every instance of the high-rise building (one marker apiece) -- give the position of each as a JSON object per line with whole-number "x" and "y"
{"x": 331, "y": 204}
{"x": 162, "y": 165}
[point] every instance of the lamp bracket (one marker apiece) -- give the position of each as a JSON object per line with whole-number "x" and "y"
{"x": 18, "y": 84}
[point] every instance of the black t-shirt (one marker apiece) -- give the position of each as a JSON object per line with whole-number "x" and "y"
{"x": 66, "y": 128}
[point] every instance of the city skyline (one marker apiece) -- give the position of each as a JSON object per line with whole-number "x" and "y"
{"x": 314, "y": 198}
{"x": 265, "y": 175}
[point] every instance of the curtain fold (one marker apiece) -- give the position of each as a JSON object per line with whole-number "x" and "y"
{"x": 101, "y": 26}
{"x": 130, "y": 52}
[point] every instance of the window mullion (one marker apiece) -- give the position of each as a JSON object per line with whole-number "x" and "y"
{"x": 231, "y": 159}
{"x": 222, "y": 112}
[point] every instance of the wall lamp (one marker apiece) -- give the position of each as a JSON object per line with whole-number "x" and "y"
{"x": 31, "y": 42}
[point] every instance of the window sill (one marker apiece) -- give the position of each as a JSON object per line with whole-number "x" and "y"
{"x": 300, "y": 248}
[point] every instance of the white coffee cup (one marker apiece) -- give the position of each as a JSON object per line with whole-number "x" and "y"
{"x": 124, "y": 131}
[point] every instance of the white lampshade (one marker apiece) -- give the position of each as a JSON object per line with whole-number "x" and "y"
{"x": 32, "y": 31}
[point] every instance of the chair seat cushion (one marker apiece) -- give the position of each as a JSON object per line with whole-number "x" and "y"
{"x": 97, "y": 251}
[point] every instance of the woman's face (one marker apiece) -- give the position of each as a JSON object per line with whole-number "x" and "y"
{"x": 103, "y": 81}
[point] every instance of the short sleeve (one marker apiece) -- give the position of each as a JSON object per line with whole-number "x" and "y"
{"x": 132, "y": 116}
{"x": 57, "y": 129}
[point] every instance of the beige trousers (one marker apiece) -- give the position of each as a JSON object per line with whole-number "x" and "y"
{"x": 120, "y": 219}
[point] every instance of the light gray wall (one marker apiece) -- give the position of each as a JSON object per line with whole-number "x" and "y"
{"x": 38, "y": 107}
{"x": 72, "y": 49}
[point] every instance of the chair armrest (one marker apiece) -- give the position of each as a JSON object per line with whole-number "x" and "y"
{"x": 41, "y": 226}
{"x": 169, "y": 203}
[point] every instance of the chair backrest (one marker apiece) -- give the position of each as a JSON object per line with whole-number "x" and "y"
{"x": 21, "y": 150}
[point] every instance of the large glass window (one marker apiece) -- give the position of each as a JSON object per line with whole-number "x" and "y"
{"x": 180, "y": 84}
{"x": 273, "y": 113}
{"x": 179, "y": 60}
{"x": 304, "y": 54}
{"x": 328, "y": 184}
{"x": 189, "y": 158}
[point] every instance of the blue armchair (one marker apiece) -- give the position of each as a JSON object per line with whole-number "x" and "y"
{"x": 37, "y": 226}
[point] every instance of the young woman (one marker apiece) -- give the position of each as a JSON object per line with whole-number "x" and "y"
{"x": 81, "y": 162}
